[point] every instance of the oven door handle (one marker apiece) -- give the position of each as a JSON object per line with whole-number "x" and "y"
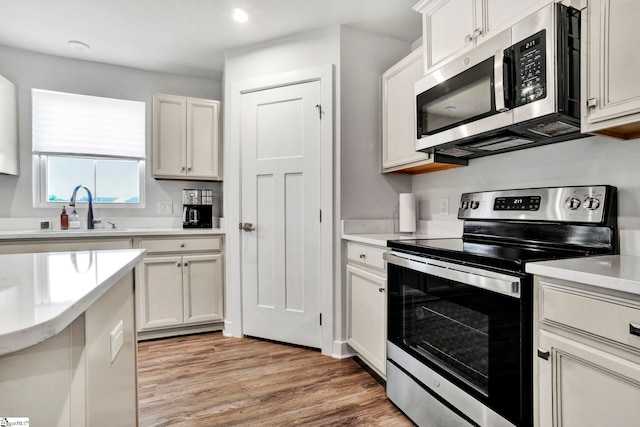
{"x": 495, "y": 282}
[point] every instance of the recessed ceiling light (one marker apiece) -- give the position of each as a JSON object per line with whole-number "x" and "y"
{"x": 79, "y": 46}
{"x": 239, "y": 15}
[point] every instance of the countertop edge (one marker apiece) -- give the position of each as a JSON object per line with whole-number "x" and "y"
{"x": 27, "y": 235}
{"x": 27, "y": 337}
{"x": 609, "y": 277}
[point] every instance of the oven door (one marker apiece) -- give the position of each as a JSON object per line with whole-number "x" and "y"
{"x": 464, "y": 97}
{"x": 463, "y": 323}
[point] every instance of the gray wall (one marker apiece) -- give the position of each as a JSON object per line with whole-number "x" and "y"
{"x": 593, "y": 160}
{"x": 33, "y": 70}
{"x": 365, "y": 193}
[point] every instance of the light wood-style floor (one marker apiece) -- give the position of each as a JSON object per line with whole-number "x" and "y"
{"x": 212, "y": 380}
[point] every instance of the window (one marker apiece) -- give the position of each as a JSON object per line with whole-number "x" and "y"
{"x": 93, "y": 141}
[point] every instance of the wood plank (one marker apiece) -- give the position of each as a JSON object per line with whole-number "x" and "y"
{"x": 211, "y": 380}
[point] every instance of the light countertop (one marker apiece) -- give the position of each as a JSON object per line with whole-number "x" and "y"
{"x": 124, "y": 232}
{"x": 41, "y": 294}
{"x": 381, "y": 239}
{"x": 615, "y": 272}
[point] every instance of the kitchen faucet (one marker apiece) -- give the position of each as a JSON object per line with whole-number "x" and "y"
{"x": 72, "y": 203}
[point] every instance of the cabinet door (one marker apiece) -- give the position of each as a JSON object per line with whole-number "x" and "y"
{"x": 203, "y": 284}
{"x": 501, "y": 14}
{"x": 159, "y": 292}
{"x": 449, "y": 27}
{"x": 203, "y": 138}
{"x": 8, "y": 128}
{"x": 398, "y": 113}
{"x": 582, "y": 386}
{"x": 367, "y": 333}
{"x": 169, "y": 136}
{"x": 611, "y": 78}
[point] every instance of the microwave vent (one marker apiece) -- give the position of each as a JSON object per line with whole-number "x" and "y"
{"x": 553, "y": 129}
{"x": 501, "y": 143}
{"x": 454, "y": 152}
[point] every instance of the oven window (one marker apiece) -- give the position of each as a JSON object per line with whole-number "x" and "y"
{"x": 461, "y": 99}
{"x": 468, "y": 334}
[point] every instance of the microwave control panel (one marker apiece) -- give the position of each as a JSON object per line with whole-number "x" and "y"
{"x": 530, "y": 64}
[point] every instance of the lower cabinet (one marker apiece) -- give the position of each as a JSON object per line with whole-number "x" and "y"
{"x": 367, "y": 286}
{"x": 180, "y": 287}
{"x": 588, "y": 357}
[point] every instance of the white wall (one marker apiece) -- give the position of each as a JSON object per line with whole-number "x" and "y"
{"x": 593, "y": 160}
{"x": 33, "y": 70}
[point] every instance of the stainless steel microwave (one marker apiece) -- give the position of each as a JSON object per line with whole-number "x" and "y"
{"x": 519, "y": 89}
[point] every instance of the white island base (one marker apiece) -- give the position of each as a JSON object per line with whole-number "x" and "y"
{"x": 69, "y": 379}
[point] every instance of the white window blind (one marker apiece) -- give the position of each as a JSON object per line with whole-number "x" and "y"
{"x": 67, "y": 123}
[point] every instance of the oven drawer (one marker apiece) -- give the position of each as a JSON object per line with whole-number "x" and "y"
{"x": 597, "y": 315}
{"x": 369, "y": 256}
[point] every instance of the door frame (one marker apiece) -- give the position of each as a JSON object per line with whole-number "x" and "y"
{"x": 232, "y": 185}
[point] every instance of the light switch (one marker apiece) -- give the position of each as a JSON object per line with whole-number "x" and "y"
{"x": 444, "y": 206}
{"x": 117, "y": 339}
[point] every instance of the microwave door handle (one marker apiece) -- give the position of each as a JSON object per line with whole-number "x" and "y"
{"x": 498, "y": 74}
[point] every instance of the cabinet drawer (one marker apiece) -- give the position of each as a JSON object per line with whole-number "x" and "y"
{"x": 370, "y": 256}
{"x": 605, "y": 318}
{"x": 199, "y": 244}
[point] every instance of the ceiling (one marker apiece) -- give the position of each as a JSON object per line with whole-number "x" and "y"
{"x": 186, "y": 37}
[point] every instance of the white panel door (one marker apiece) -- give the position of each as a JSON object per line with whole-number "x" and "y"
{"x": 281, "y": 199}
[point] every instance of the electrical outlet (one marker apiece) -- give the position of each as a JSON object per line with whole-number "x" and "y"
{"x": 165, "y": 207}
{"x": 444, "y": 206}
{"x": 117, "y": 339}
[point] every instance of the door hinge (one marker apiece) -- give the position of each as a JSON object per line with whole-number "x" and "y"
{"x": 592, "y": 102}
{"x": 320, "y": 319}
{"x": 320, "y": 215}
{"x": 319, "y": 107}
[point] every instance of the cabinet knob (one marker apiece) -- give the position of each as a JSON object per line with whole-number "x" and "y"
{"x": 182, "y": 169}
{"x": 380, "y": 290}
{"x": 189, "y": 169}
{"x": 477, "y": 32}
{"x": 182, "y": 245}
{"x": 186, "y": 264}
{"x": 634, "y": 329}
{"x": 468, "y": 38}
{"x": 178, "y": 264}
{"x": 363, "y": 256}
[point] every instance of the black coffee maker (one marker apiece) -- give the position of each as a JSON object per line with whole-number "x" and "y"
{"x": 197, "y": 208}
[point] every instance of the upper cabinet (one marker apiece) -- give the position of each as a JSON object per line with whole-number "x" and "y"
{"x": 450, "y": 27}
{"x": 399, "y": 120}
{"x": 186, "y": 138}
{"x": 8, "y": 128}
{"x": 611, "y": 93}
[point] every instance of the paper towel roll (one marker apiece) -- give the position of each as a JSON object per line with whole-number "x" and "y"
{"x": 407, "y": 213}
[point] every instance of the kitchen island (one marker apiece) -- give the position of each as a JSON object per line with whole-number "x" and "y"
{"x": 67, "y": 337}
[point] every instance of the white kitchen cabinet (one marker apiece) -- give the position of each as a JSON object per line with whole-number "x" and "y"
{"x": 367, "y": 290}
{"x": 451, "y": 27}
{"x": 8, "y": 128}
{"x": 611, "y": 93}
{"x": 186, "y": 138}
{"x": 588, "y": 359}
{"x": 181, "y": 286}
{"x": 399, "y": 120}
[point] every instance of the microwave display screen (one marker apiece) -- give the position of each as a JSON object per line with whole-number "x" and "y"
{"x": 526, "y": 203}
{"x": 529, "y": 44}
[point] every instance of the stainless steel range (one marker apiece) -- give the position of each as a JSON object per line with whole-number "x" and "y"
{"x": 460, "y": 310}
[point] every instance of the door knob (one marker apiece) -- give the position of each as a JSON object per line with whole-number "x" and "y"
{"x": 247, "y": 226}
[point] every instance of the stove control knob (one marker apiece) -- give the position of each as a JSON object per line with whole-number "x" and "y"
{"x": 572, "y": 203}
{"x": 465, "y": 204}
{"x": 591, "y": 203}
{"x": 474, "y": 204}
